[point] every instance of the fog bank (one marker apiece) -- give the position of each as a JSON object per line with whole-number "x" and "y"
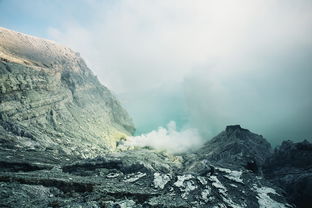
{"x": 203, "y": 64}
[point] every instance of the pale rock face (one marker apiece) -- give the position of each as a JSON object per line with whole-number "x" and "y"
{"x": 160, "y": 180}
{"x": 265, "y": 200}
{"x": 202, "y": 180}
{"x": 181, "y": 179}
{"x": 217, "y": 184}
{"x": 233, "y": 175}
{"x": 50, "y": 99}
{"x": 205, "y": 194}
{"x": 37, "y": 52}
{"x": 134, "y": 177}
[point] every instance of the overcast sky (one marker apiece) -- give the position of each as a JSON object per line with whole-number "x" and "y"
{"x": 201, "y": 63}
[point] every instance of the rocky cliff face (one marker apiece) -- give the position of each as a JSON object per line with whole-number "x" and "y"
{"x": 59, "y": 128}
{"x": 51, "y": 101}
{"x": 239, "y": 146}
{"x": 290, "y": 167}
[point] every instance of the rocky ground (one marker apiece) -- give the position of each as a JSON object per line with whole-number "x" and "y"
{"x": 140, "y": 177}
{"x": 61, "y": 135}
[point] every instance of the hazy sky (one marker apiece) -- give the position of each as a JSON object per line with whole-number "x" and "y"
{"x": 203, "y": 64}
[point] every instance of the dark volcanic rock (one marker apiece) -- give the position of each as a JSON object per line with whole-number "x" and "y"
{"x": 136, "y": 178}
{"x": 290, "y": 167}
{"x": 237, "y": 146}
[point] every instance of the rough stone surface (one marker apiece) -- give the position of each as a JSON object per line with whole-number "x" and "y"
{"x": 237, "y": 146}
{"x": 50, "y": 100}
{"x": 290, "y": 167}
{"x": 123, "y": 179}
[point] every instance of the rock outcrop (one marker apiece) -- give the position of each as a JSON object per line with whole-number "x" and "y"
{"x": 136, "y": 178}
{"x": 237, "y": 146}
{"x": 290, "y": 167}
{"x": 51, "y": 101}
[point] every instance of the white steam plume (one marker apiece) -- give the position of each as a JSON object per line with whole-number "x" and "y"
{"x": 168, "y": 139}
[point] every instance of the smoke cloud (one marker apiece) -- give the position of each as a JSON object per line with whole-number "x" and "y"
{"x": 204, "y": 64}
{"x": 168, "y": 139}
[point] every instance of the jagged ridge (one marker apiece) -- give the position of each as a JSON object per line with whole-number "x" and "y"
{"x": 50, "y": 100}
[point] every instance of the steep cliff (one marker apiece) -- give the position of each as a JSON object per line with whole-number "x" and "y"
{"x": 290, "y": 167}
{"x": 50, "y": 100}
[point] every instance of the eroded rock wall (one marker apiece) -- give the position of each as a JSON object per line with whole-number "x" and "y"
{"x": 50, "y": 99}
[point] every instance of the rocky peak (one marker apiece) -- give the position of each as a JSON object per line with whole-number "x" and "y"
{"x": 236, "y": 131}
{"x": 232, "y": 128}
{"x": 292, "y": 154}
{"x": 239, "y": 145}
{"x": 50, "y": 100}
{"x": 28, "y": 50}
{"x": 293, "y": 146}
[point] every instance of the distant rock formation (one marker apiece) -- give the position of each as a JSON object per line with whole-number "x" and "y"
{"x": 239, "y": 146}
{"x": 51, "y": 101}
{"x": 290, "y": 167}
